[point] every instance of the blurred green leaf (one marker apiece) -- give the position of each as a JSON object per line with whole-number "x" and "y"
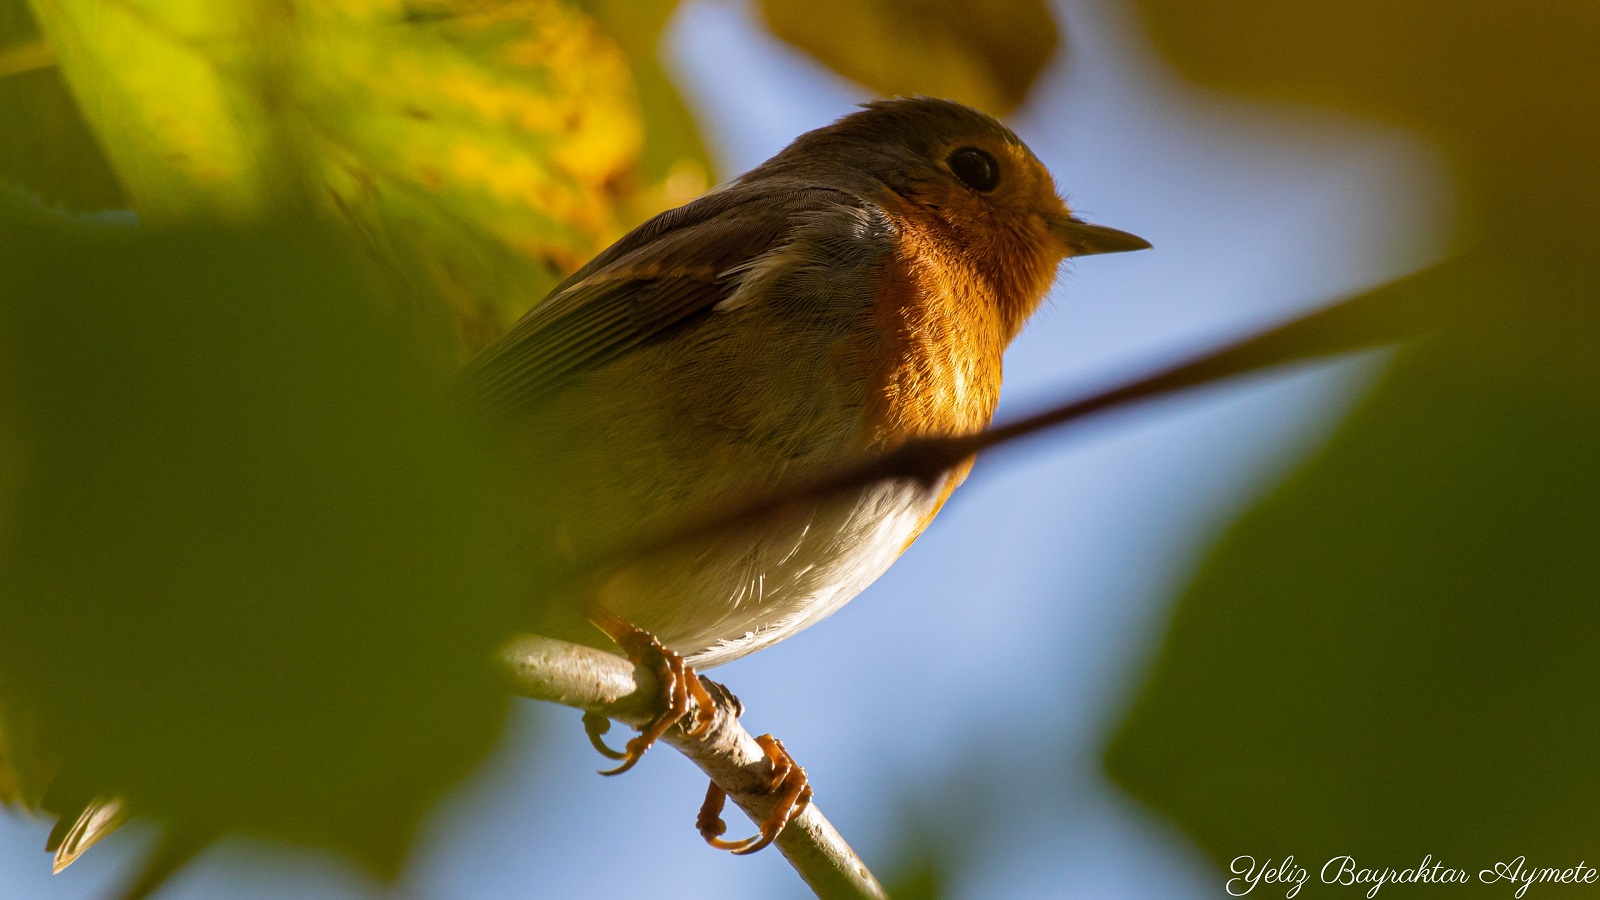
{"x": 252, "y": 580}
{"x": 934, "y": 846}
{"x": 922, "y": 878}
{"x": 55, "y": 157}
{"x": 986, "y": 55}
{"x": 1391, "y": 656}
{"x": 46, "y": 148}
{"x": 1508, "y": 90}
{"x": 159, "y": 85}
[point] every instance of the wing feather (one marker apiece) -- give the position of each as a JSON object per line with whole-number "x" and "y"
{"x": 659, "y": 277}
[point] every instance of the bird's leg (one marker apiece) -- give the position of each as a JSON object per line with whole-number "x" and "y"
{"x": 679, "y": 685}
{"x": 789, "y": 782}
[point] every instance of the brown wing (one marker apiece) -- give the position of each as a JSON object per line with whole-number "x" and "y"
{"x": 658, "y": 277}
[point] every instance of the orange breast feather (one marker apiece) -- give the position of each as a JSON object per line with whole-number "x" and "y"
{"x": 937, "y": 367}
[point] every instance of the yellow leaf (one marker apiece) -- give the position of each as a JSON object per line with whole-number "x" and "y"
{"x": 150, "y": 82}
{"x": 482, "y": 149}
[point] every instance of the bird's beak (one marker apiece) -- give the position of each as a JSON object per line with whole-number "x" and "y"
{"x": 1083, "y": 239}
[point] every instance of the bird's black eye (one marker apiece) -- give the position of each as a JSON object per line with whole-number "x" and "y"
{"x": 975, "y": 168}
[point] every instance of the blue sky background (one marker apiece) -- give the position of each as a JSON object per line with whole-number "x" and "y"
{"x": 970, "y": 690}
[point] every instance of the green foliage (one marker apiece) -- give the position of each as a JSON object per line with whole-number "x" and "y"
{"x": 925, "y": 881}
{"x": 1391, "y": 655}
{"x": 481, "y": 151}
{"x": 47, "y": 149}
{"x": 1388, "y": 657}
{"x": 252, "y": 580}
{"x": 1507, "y": 90}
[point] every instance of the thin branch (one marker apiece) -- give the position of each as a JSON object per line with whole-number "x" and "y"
{"x": 1385, "y": 316}
{"x": 559, "y": 672}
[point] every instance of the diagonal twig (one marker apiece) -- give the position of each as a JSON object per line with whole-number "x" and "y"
{"x": 1386, "y": 315}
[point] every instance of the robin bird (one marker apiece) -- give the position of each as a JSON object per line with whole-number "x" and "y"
{"x": 854, "y": 291}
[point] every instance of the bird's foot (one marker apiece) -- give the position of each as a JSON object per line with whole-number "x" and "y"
{"x": 681, "y": 689}
{"x": 789, "y": 783}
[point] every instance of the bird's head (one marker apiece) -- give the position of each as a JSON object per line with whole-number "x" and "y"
{"x": 964, "y": 177}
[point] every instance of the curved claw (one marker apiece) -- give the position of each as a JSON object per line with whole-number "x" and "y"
{"x": 787, "y": 777}
{"x": 710, "y": 825}
{"x": 595, "y": 725}
{"x": 630, "y": 755}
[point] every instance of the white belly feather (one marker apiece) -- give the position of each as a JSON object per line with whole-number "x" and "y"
{"x": 745, "y": 591}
